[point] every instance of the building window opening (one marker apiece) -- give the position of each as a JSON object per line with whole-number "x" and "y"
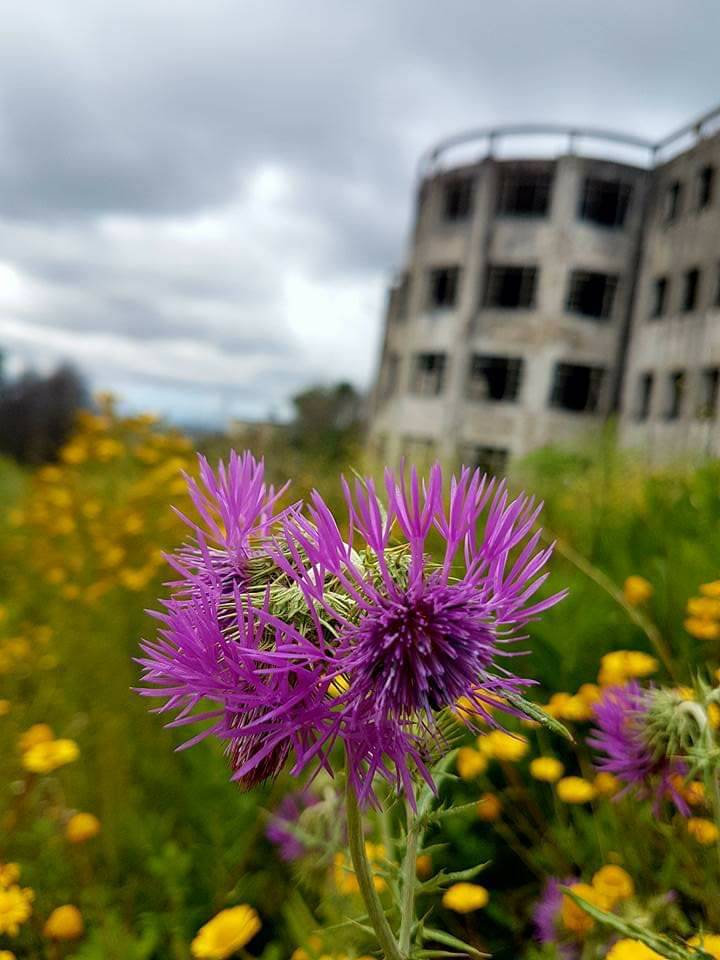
{"x": 691, "y": 287}
{"x": 661, "y": 287}
{"x": 443, "y": 288}
{"x": 524, "y": 192}
{"x": 457, "y": 198}
{"x": 511, "y": 288}
{"x": 676, "y": 391}
{"x": 490, "y": 460}
{"x": 705, "y": 184}
{"x": 576, "y": 387}
{"x": 645, "y": 392}
{"x": 591, "y": 294}
{"x": 429, "y": 374}
{"x": 673, "y": 201}
{"x": 605, "y": 202}
{"x": 709, "y": 390}
{"x": 494, "y": 379}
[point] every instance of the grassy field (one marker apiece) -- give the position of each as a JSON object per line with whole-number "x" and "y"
{"x": 174, "y": 842}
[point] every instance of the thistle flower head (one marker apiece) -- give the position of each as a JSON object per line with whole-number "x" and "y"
{"x": 628, "y": 737}
{"x": 280, "y": 829}
{"x": 547, "y": 925}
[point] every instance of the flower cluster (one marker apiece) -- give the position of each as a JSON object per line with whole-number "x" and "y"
{"x": 303, "y": 635}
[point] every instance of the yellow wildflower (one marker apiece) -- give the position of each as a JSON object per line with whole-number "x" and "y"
{"x": 7, "y": 955}
{"x": 48, "y": 756}
{"x": 575, "y": 790}
{"x": 547, "y": 769}
{"x": 226, "y": 933}
{"x": 704, "y": 831}
{"x": 631, "y": 950}
{"x": 489, "y": 807}
{"x": 4, "y": 708}
{"x": 622, "y": 665}
{"x": 713, "y": 715}
{"x": 508, "y": 747}
{"x": 590, "y": 693}
{"x": 82, "y": 827}
{"x": 15, "y": 908}
{"x": 556, "y": 704}
{"x": 74, "y": 453}
{"x": 573, "y": 917}
{"x": 37, "y": 733}
{"x": 710, "y": 589}
{"x": 637, "y": 590}
{"x": 423, "y": 866}
{"x": 614, "y": 883}
{"x": 470, "y": 763}
{"x": 706, "y": 608}
{"x": 709, "y": 942}
{"x": 9, "y": 874}
{"x": 577, "y": 709}
{"x": 465, "y": 897}
{"x": 702, "y": 629}
{"x": 64, "y": 923}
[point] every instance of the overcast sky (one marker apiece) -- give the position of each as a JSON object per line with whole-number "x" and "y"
{"x": 201, "y": 203}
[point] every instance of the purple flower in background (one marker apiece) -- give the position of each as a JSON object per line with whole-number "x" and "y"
{"x": 279, "y": 828}
{"x": 269, "y": 684}
{"x": 621, "y": 734}
{"x": 237, "y": 511}
{"x": 420, "y": 634}
{"x": 546, "y": 918}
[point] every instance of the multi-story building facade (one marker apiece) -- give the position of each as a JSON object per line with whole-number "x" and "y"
{"x": 543, "y": 295}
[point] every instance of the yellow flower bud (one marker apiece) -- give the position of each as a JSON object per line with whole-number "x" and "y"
{"x": 575, "y": 790}
{"x": 82, "y": 827}
{"x": 64, "y": 923}
{"x": 546, "y": 769}
{"x": 465, "y": 897}
{"x": 637, "y": 590}
{"x": 470, "y": 763}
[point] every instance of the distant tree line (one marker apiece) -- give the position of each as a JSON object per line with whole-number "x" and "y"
{"x": 37, "y": 413}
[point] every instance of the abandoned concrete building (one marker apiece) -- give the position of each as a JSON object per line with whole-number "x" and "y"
{"x": 544, "y": 294}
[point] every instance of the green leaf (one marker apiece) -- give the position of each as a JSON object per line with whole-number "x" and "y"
{"x": 533, "y": 712}
{"x": 449, "y": 940}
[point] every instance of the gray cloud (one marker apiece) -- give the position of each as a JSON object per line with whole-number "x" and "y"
{"x": 214, "y": 194}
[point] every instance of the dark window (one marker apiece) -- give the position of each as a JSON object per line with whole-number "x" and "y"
{"x": 605, "y": 202}
{"x": 457, "y": 200}
{"x": 705, "y": 183}
{"x": 524, "y": 192}
{"x": 490, "y": 460}
{"x": 691, "y": 286}
{"x": 708, "y": 398}
{"x": 591, "y": 294}
{"x": 429, "y": 374}
{"x": 645, "y": 390}
{"x": 661, "y": 287}
{"x": 673, "y": 201}
{"x": 494, "y": 378}
{"x": 443, "y": 288}
{"x": 510, "y": 287}
{"x": 676, "y": 390}
{"x": 576, "y": 387}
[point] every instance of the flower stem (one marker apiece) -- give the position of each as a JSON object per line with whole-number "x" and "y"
{"x": 374, "y": 907}
{"x": 409, "y": 872}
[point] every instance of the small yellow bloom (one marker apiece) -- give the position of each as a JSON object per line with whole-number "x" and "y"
{"x": 48, "y": 756}
{"x": 622, "y": 665}
{"x": 709, "y": 942}
{"x": 489, "y": 807}
{"x": 226, "y": 933}
{"x": 577, "y": 709}
{"x": 637, "y": 590}
{"x": 37, "y": 733}
{"x": 631, "y": 950}
{"x": 590, "y": 693}
{"x": 9, "y": 874}
{"x": 82, "y": 827}
{"x": 573, "y": 917}
{"x": 614, "y": 883}
{"x": 64, "y": 923}
{"x": 556, "y": 705}
{"x": 704, "y": 831}
{"x": 423, "y": 866}
{"x": 7, "y": 955}
{"x": 4, "y": 708}
{"x": 606, "y": 784}
{"x": 74, "y": 453}
{"x": 15, "y": 908}
{"x": 470, "y": 763}
{"x": 693, "y": 791}
{"x": 465, "y": 897}
{"x": 575, "y": 790}
{"x": 710, "y": 589}
{"x": 706, "y": 608}
{"x": 507, "y": 747}
{"x": 547, "y": 769}
{"x": 702, "y": 629}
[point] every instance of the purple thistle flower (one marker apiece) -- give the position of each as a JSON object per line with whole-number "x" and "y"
{"x": 420, "y": 634}
{"x": 237, "y": 511}
{"x": 621, "y": 735}
{"x": 546, "y": 918}
{"x": 279, "y": 828}
{"x": 268, "y": 682}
